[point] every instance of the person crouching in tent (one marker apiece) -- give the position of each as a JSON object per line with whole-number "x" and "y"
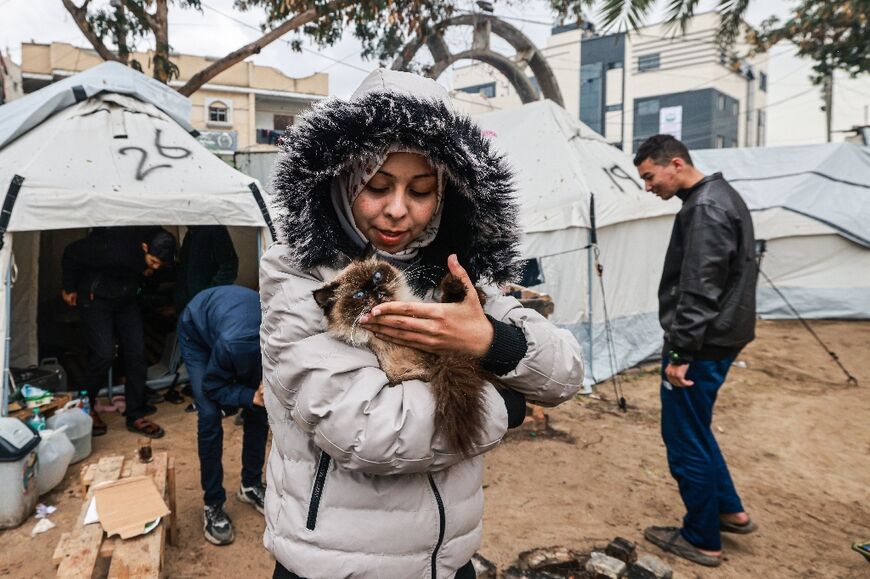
{"x": 102, "y": 274}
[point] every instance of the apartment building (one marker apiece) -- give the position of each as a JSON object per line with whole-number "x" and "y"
{"x": 655, "y": 80}
{"x": 245, "y": 107}
{"x": 10, "y": 79}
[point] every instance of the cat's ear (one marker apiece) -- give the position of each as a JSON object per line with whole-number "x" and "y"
{"x": 325, "y": 296}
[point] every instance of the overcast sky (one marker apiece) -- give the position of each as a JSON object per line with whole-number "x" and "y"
{"x": 219, "y": 29}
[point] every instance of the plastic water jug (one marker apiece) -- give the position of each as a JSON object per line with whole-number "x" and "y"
{"x": 79, "y": 426}
{"x": 55, "y": 454}
{"x": 19, "y": 466}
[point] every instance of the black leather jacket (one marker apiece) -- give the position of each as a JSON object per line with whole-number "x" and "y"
{"x": 707, "y": 292}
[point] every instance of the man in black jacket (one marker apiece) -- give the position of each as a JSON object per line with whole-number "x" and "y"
{"x": 102, "y": 274}
{"x": 707, "y": 310}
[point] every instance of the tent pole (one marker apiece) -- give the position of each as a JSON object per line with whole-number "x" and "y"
{"x": 4, "y": 402}
{"x": 590, "y": 235}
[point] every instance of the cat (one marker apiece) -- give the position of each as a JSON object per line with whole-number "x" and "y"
{"x": 456, "y": 379}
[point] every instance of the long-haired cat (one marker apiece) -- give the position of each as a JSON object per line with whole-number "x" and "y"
{"x": 456, "y": 380}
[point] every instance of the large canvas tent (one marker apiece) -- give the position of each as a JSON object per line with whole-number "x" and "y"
{"x": 576, "y": 190}
{"x": 811, "y": 205}
{"x": 109, "y": 146}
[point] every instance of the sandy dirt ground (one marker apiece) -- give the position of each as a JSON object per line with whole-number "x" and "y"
{"x": 796, "y": 437}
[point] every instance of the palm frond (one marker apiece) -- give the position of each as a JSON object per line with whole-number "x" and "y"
{"x": 680, "y": 12}
{"x": 624, "y": 15}
{"x": 731, "y": 13}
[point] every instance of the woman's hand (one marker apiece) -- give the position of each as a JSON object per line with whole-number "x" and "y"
{"x": 460, "y": 327}
{"x": 258, "y": 396}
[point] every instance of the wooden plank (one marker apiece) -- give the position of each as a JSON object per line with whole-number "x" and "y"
{"x": 172, "y": 529}
{"x": 157, "y": 469}
{"x": 89, "y": 471}
{"x": 60, "y": 550}
{"x": 142, "y": 557}
{"x": 58, "y": 401}
{"x": 83, "y": 544}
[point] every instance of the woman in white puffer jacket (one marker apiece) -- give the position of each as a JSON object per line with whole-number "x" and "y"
{"x": 360, "y": 481}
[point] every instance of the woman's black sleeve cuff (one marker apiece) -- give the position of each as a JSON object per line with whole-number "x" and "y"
{"x": 516, "y": 406}
{"x": 507, "y": 349}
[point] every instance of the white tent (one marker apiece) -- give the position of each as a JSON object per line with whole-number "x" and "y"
{"x": 109, "y": 146}
{"x": 811, "y": 205}
{"x": 561, "y": 166}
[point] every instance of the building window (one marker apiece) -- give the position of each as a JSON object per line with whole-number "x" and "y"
{"x": 613, "y": 108}
{"x": 762, "y": 81}
{"x": 735, "y": 108}
{"x": 720, "y": 102}
{"x": 614, "y": 65}
{"x": 648, "y": 62}
{"x": 281, "y": 122}
{"x": 592, "y": 96}
{"x": 487, "y": 90}
{"x": 720, "y": 142}
{"x": 650, "y": 107}
{"x": 218, "y": 112}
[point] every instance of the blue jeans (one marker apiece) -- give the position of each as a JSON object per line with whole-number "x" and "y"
{"x": 210, "y": 433}
{"x": 694, "y": 457}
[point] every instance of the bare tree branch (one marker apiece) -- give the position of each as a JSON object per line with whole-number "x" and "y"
{"x": 144, "y": 16}
{"x": 211, "y": 71}
{"x": 80, "y": 15}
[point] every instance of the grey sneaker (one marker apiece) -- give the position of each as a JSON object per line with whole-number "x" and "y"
{"x": 255, "y": 495}
{"x": 217, "y": 526}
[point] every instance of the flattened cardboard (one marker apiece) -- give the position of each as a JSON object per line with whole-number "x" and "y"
{"x": 126, "y": 505}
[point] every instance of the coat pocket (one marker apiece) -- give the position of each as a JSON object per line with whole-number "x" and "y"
{"x": 317, "y": 490}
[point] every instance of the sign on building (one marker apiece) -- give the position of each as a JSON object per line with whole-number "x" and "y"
{"x": 671, "y": 121}
{"x": 219, "y": 141}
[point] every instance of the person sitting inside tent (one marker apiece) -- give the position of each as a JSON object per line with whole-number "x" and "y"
{"x": 102, "y": 274}
{"x": 219, "y": 335}
{"x": 207, "y": 259}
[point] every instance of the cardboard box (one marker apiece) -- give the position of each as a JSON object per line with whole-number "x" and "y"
{"x": 126, "y": 506}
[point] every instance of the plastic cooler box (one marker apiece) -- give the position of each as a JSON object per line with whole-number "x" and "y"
{"x": 19, "y": 465}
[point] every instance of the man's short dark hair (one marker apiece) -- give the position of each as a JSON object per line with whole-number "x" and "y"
{"x": 660, "y": 149}
{"x": 161, "y": 244}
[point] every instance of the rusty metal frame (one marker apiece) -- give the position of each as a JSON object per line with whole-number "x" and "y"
{"x": 513, "y": 68}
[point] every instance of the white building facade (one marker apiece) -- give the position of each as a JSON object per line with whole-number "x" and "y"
{"x": 655, "y": 80}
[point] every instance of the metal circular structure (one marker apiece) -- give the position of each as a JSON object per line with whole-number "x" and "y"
{"x": 485, "y": 25}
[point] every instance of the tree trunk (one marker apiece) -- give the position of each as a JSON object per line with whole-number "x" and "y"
{"x": 829, "y": 102}
{"x": 160, "y": 27}
{"x": 214, "y": 69}
{"x": 80, "y": 16}
{"x": 121, "y": 34}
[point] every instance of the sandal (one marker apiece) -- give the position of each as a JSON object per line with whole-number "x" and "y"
{"x": 99, "y": 427}
{"x": 145, "y": 427}
{"x": 670, "y": 539}
{"x": 744, "y": 529}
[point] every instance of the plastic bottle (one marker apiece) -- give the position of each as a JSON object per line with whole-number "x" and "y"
{"x": 86, "y": 405}
{"x": 37, "y": 420}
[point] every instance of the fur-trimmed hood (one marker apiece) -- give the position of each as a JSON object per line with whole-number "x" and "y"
{"x": 479, "y": 222}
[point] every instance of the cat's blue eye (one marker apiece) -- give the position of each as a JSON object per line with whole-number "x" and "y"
{"x": 378, "y": 277}
{"x": 359, "y": 295}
